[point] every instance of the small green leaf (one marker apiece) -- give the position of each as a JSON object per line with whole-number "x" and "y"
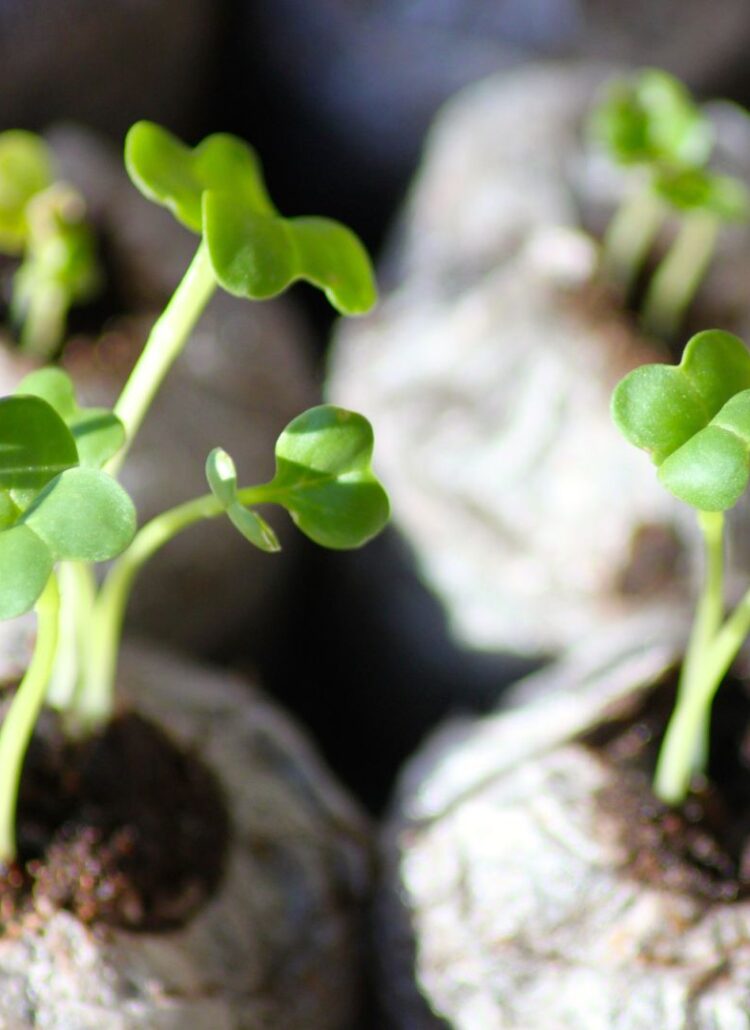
{"x": 221, "y": 474}
{"x": 253, "y": 528}
{"x": 25, "y": 567}
{"x": 83, "y": 515}
{"x": 35, "y": 444}
{"x": 172, "y": 174}
{"x": 695, "y": 420}
{"x": 652, "y": 118}
{"x": 25, "y": 170}
{"x": 324, "y": 479}
{"x": 660, "y": 407}
{"x": 258, "y": 256}
{"x": 694, "y": 189}
{"x": 97, "y": 432}
{"x": 222, "y": 479}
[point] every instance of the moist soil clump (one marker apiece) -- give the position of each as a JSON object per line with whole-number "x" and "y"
{"x": 126, "y": 829}
{"x": 703, "y": 847}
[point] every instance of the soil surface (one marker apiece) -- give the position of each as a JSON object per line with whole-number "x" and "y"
{"x": 126, "y": 829}
{"x": 703, "y": 847}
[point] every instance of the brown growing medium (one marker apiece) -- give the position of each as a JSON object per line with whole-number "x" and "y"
{"x": 126, "y": 830}
{"x": 703, "y": 847}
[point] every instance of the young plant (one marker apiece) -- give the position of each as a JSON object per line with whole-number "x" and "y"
{"x": 651, "y": 124}
{"x": 61, "y": 508}
{"x": 44, "y": 223}
{"x": 694, "y": 420}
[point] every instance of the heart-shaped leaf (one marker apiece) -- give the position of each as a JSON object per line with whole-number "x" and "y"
{"x": 25, "y": 567}
{"x": 694, "y": 189}
{"x": 35, "y": 444}
{"x": 25, "y": 170}
{"x": 324, "y": 479}
{"x": 83, "y": 515}
{"x": 660, "y": 407}
{"x": 172, "y": 174}
{"x": 652, "y": 118}
{"x": 695, "y": 419}
{"x": 258, "y": 256}
{"x": 97, "y": 432}
{"x": 222, "y": 479}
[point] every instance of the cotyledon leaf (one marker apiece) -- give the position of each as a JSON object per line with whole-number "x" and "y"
{"x": 35, "y": 444}
{"x": 257, "y": 255}
{"x": 660, "y": 407}
{"x": 98, "y": 432}
{"x": 175, "y": 175}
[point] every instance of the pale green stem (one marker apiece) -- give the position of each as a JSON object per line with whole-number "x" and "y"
{"x": 44, "y": 321}
{"x": 23, "y": 713}
{"x": 166, "y": 340}
{"x": 93, "y": 703}
{"x": 684, "y": 752}
{"x": 676, "y": 280}
{"x": 629, "y": 238}
{"x": 78, "y": 592}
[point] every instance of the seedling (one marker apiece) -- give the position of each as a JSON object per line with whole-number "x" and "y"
{"x": 43, "y": 221}
{"x": 61, "y": 508}
{"x": 694, "y": 420}
{"x": 651, "y": 124}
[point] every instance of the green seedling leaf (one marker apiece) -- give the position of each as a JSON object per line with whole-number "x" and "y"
{"x": 172, "y": 174}
{"x": 83, "y": 515}
{"x": 694, "y": 419}
{"x": 25, "y": 567}
{"x": 258, "y": 256}
{"x": 711, "y": 470}
{"x": 97, "y": 432}
{"x": 324, "y": 479}
{"x": 35, "y": 444}
{"x": 222, "y": 479}
{"x": 694, "y": 189}
{"x": 652, "y": 118}
{"x": 25, "y": 170}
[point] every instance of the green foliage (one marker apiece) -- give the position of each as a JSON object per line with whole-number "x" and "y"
{"x": 695, "y": 189}
{"x": 324, "y": 477}
{"x": 97, "y": 432}
{"x": 222, "y": 479}
{"x": 651, "y": 118}
{"x": 25, "y": 170}
{"x": 52, "y": 508}
{"x": 694, "y": 419}
{"x": 217, "y": 189}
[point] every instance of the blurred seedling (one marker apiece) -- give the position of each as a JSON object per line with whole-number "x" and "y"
{"x": 694, "y": 420}
{"x": 43, "y": 222}
{"x": 650, "y": 124}
{"x": 61, "y": 508}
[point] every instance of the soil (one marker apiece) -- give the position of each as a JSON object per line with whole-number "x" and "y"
{"x": 703, "y": 847}
{"x": 126, "y": 829}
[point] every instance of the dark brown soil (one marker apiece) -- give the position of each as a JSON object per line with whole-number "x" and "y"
{"x": 126, "y": 830}
{"x": 703, "y": 847}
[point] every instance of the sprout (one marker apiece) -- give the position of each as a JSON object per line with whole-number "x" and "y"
{"x": 61, "y": 507}
{"x": 651, "y": 124}
{"x": 694, "y": 420}
{"x": 43, "y": 222}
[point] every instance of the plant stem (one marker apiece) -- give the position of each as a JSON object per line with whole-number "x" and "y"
{"x": 22, "y": 715}
{"x": 44, "y": 321}
{"x": 676, "y": 280}
{"x": 685, "y": 748}
{"x": 629, "y": 237}
{"x": 93, "y": 703}
{"x": 78, "y": 591}
{"x": 166, "y": 340}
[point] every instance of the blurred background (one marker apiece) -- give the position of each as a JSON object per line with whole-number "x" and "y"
{"x": 337, "y": 96}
